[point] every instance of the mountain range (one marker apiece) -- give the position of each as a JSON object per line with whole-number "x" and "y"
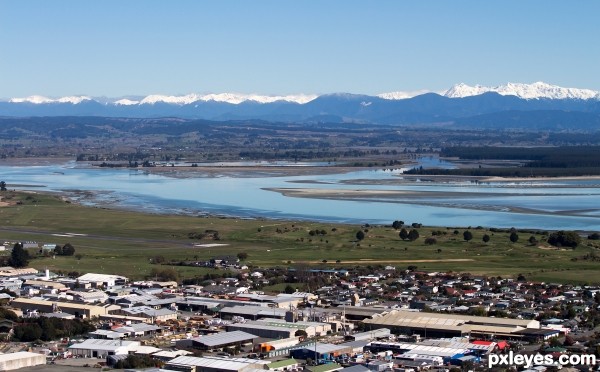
{"x": 512, "y": 105}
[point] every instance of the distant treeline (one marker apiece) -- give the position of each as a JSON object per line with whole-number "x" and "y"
{"x": 297, "y": 155}
{"x": 539, "y": 161}
{"x": 509, "y": 172}
{"x": 537, "y": 157}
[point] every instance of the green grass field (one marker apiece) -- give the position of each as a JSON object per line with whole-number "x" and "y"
{"x": 122, "y": 242}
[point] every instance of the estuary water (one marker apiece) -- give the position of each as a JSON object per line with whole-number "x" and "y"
{"x": 552, "y": 205}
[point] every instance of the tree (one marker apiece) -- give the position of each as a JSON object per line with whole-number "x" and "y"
{"x": 242, "y": 256}
{"x": 486, "y": 238}
{"x": 166, "y": 274}
{"x": 413, "y": 235}
{"x": 594, "y": 236}
{"x": 564, "y": 239}
{"x": 2, "y": 186}
{"x": 137, "y": 361}
{"x": 569, "y": 341}
{"x": 28, "y": 332}
{"x": 360, "y": 235}
{"x": 158, "y": 259}
{"x": 289, "y": 289}
{"x": 430, "y": 241}
{"x": 19, "y": 257}
{"x": 467, "y": 235}
{"x": 397, "y": 224}
{"x": 301, "y": 333}
{"x": 58, "y": 250}
{"x": 68, "y": 250}
{"x": 514, "y": 237}
{"x": 403, "y": 234}
{"x": 532, "y": 240}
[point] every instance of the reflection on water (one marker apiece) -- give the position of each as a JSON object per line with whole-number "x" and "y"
{"x": 467, "y": 204}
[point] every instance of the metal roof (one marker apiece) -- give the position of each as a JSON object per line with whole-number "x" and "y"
{"x": 422, "y": 349}
{"x": 327, "y": 348}
{"x": 221, "y": 364}
{"x": 224, "y": 364}
{"x": 92, "y": 277}
{"x": 19, "y": 355}
{"x": 108, "y": 345}
{"x": 224, "y": 338}
{"x": 251, "y": 327}
{"x": 465, "y": 323}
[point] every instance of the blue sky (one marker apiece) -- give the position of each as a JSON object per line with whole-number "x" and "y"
{"x": 116, "y": 47}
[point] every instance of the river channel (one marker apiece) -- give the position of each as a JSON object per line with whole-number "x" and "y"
{"x": 363, "y": 196}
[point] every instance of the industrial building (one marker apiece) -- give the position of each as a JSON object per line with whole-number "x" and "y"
{"x": 371, "y": 335}
{"x": 450, "y": 352}
{"x": 102, "y": 280}
{"x": 77, "y": 309}
{"x": 278, "y": 328}
{"x": 265, "y": 347}
{"x": 217, "y": 341}
{"x": 285, "y": 365}
{"x": 321, "y": 352}
{"x": 96, "y": 348}
{"x": 22, "y": 359}
{"x": 264, "y": 330}
{"x": 252, "y": 312}
{"x": 213, "y": 364}
{"x": 448, "y": 325}
{"x": 311, "y": 328}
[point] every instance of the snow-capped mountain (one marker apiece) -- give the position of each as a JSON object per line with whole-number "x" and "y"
{"x": 536, "y": 90}
{"x": 41, "y": 99}
{"x": 233, "y": 98}
{"x": 402, "y": 95}
{"x": 542, "y": 102}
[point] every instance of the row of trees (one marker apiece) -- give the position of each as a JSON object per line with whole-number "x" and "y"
{"x": 47, "y": 329}
{"x": 19, "y": 257}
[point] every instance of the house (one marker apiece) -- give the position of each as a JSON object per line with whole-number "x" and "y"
{"x": 226, "y": 260}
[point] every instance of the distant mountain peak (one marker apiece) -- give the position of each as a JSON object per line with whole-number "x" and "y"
{"x": 537, "y": 90}
{"x": 41, "y": 99}
{"x": 233, "y": 98}
{"x": 402, "y": 94}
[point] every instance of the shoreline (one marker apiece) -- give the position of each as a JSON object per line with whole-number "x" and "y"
{"x": 283, "y": 171}
{"x": 420, "y": 198}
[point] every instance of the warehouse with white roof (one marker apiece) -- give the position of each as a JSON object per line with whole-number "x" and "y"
{"x": 217, "y": 341}
{"x": 213, "y": 364}
{"x": 96, "y": 348}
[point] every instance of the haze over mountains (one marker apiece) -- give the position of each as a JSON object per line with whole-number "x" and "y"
{"x": 513, "y": 105}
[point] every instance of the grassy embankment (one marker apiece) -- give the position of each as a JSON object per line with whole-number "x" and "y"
{"x": 121, "y": 242}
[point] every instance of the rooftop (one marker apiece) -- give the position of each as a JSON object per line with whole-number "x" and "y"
{"x": 224, "y": 338}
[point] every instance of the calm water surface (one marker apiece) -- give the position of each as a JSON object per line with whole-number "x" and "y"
{"x": 493, "y": 204}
